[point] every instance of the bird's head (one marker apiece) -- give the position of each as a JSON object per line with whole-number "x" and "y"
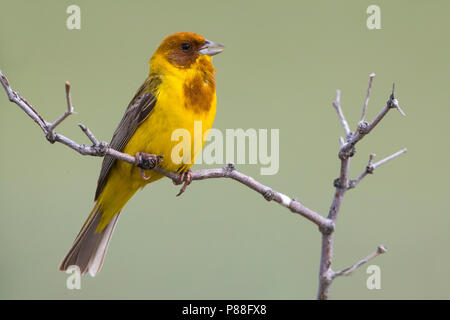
{"x": 184, "y": 49}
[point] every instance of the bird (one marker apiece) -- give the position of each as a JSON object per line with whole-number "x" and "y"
{"x": 179, "y": 90}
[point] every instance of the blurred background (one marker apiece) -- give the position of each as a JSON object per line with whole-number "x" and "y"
{"x": 282, "y": 64}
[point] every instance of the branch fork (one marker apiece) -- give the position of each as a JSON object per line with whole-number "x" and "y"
{"x": 51, "y": 126}
{"x": 343, "y": 183}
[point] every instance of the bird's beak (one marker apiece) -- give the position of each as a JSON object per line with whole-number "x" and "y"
{"x": 211, "y": 48}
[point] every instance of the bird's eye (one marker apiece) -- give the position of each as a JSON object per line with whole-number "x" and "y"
{"x": 185, "y": 46}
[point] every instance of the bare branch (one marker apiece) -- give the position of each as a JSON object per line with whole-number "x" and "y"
{"x": 23, "y": 104}
{"x": 368, "y": 170}
{"x": 395, "y": 102}
{"x": 372, "y": 166}
{"x": 337, "y": 106}
{"x": 52, "y": 126}
{"x": 347, "y": 271}
{"x": 89, "y": 134}
{"x": 325, "y": 272}
{"x": 342, "y": 184}
{"x": 392, "y": 156}
{"x": 366, "y": 101}
{"x": 365, "y": 128}
{"x": 268, "y": 193}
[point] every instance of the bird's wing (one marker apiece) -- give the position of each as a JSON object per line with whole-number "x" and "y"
{"x": 137, "y": 111}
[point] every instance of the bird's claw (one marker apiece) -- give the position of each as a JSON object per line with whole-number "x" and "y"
{"x": 146, "y": 161}
{"x": 184, "y": 177}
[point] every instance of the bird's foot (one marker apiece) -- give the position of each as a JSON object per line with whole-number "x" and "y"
{"x": 146, "y": 161}
{"x": 184, "y": 177}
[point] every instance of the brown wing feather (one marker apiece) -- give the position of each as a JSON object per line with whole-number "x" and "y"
{"x": 137, "y": 111}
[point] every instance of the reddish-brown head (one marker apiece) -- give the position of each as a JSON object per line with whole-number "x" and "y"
{"x": 183, "y": 48}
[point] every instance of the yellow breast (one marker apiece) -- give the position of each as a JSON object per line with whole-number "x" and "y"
{"x": 179, "y": 108}
{"x": 185, "y": 102}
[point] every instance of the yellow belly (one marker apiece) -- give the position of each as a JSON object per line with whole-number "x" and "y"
{"x": 154, "y": 136}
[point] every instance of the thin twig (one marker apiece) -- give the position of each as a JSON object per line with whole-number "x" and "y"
{"x": 347, "y": 271}
{"x": 337, "y": 106}
{"x": 365, "y": 128}
{"x": 395, "y": 102}
{"x": 52, "y": 126}
{"x": 392, "y": 156}
{"x": 22, "y": 103}
{"x": 89, "y": 134}
{"x": 366, "y": 101}
{"x": 372, "y": 166}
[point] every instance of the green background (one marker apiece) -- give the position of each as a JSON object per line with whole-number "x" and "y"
{"x": 282, "y": 64}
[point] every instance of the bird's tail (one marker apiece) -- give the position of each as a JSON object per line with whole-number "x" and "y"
{"x": 89, "y": 248}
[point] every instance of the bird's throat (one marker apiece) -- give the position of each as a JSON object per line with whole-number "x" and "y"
{"x": 200, "y": 86}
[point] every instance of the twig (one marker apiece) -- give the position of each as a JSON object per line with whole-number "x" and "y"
{"x": 392, "y": 156}
{"x": 395, "y": 102}
{"x": 337, "y": 106}
{"x": 23, "y": 104}
{"x": 347, "y": 271}
{"x": 366, "y": 101}
{"x": 372, "y": 166}
{"x": 268, "y": 193}
{"x": 326, "y": 225}
{"x": 89, "y": 134}
{"x": 52, "y": 126}
{"x": 365, "y": 128}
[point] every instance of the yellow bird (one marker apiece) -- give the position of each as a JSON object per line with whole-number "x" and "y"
{"x": 179, "y": 90}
